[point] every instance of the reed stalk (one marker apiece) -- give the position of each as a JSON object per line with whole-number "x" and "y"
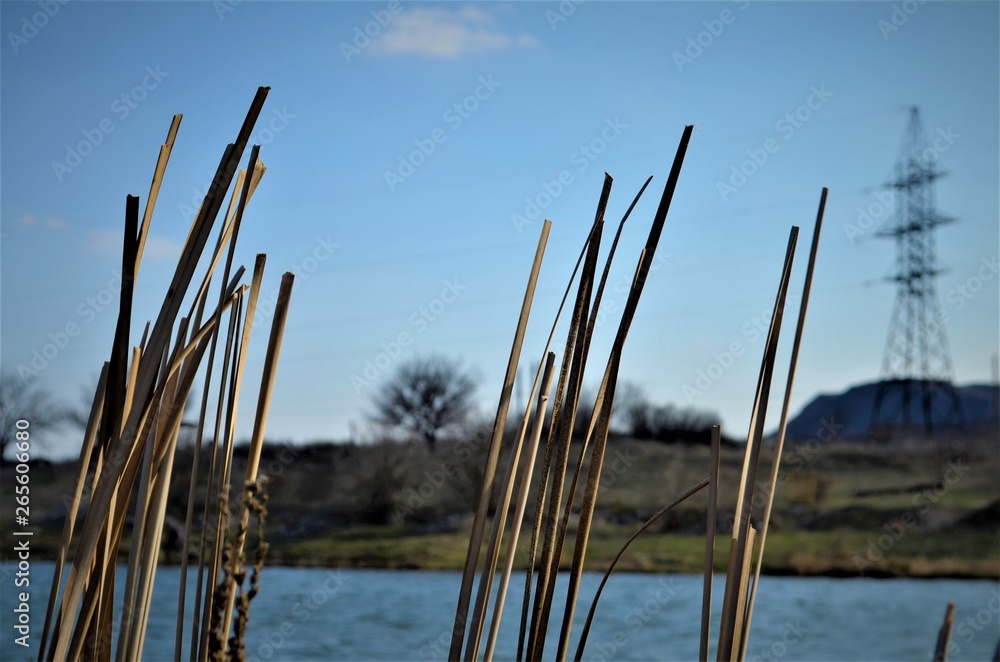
{"x": 227, "y": 237}
{"x": 736, "y": 576}
{"x": 260, "y": 418}
{"x": 710, "y": 524}
{"x": 691, "y": 491}
{"x": 123, "y": 442}
{"x": 779, "y": 443}
{"x": 607, "y": 391}
{"x": 561, "y": 429}
{"x": 73, "y": 507}
{"x": 500, "y": 519}
{"x": 944, "y": 634}
{"x": 482, "y": 504}
{"x": 542, "y": 489}
{"x": 196, "y": 624}
{"x": 229, "y": 434}
{"x": 134, "y": 425}
{"x": 154, "y": 187}
{"x": 589, "y": 333}
{"x": 522, "y": 500}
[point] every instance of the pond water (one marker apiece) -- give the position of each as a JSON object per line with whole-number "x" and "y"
{"x": 330, "y": 614}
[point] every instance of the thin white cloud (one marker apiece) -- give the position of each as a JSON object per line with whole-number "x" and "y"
{"x": 473, "y": 13}
{"x": 160, "y": 248}
{"x": 157, "y": 247}
{"x": 446, "y": 33}
{"x": 30, "y": 221}
{"x": 528, "y": 41}
{"x": 105, "y": 241}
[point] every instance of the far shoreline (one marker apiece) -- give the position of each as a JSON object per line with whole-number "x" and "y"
{"x": 831, "y": 573}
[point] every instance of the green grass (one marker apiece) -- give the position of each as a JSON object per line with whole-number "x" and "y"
{"x": 316, "y": 498}
{"x": 971, "y": 553}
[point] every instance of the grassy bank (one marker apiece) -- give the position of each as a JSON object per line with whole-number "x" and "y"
{"x": 843, "y": 509}
{"x": 970, "y": 554}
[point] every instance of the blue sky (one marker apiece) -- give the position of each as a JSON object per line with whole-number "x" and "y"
{"x": 512, "y": 104}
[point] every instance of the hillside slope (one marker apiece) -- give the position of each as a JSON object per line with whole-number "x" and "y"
{"x": 852, "y": 410}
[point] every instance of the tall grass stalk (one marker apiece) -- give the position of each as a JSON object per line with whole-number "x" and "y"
{"x": 561, "y": 431}
{"x": 522, "y": 500}
{"x": 607, "y": 391}
{"x": 741, "y": 544}
{"x": 779, "y": 443}
{"x": 227, "y": 233}
{"x": 711, "y": 518}
{"x": 482, "y": 504}
{"x": 944, "y": 634}
{"x": 260, "y": 420}
{"x": 554, "y": 503}
{"x": 691, "y": 491}
{"x": 133, "y": 430}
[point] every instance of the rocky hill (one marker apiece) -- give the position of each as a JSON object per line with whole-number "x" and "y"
{"x": 849, "y": 413}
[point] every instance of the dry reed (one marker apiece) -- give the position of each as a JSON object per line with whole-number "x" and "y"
{"x": 555, "y": 502}
{"x": 132, "y": 435}
{"x": 133, "y": 430}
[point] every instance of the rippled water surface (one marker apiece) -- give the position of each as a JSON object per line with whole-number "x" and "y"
{"x": 317, "y": 614}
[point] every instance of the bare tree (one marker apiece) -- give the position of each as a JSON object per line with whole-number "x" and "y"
{"x": 634, "y": 412}
{"x": 641, "y": 419}
{"x": 425, "y": 398}
{"x": 25, "y": 399}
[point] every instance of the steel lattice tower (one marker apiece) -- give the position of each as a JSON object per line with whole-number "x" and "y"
{"x": 916, "y": 368}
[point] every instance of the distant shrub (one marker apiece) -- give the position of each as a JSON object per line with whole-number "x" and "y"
{"x": 641, "y": 419}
